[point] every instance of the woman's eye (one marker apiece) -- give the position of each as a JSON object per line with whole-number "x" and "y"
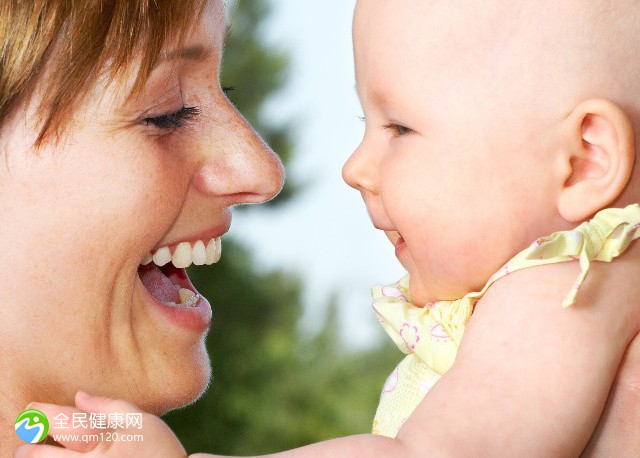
{"x": 174, "y": 120}
{"x": 397, "y": 129}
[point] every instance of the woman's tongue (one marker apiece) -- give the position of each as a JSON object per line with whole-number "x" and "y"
{"x": 158, "y": 284}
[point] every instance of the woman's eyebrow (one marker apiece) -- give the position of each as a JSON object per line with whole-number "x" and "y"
{"x": 196, "y": 53}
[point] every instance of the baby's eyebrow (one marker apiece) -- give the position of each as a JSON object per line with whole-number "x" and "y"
{"x": 374, "y": 96}
{"x": 364, "y": 95}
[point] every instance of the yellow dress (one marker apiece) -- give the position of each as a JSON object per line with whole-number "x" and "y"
{"x": 430, "y": 335}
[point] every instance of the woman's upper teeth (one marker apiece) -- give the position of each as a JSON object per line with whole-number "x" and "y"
{"x": 185, "y": 254}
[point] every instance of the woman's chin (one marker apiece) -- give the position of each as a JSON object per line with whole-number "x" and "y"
{"x": 182, "y": 387}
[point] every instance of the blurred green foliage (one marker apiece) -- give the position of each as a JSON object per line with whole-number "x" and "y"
{"x": 274, "y": 388}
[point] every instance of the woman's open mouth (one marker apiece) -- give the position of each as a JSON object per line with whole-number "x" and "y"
{"x": 163, "y": 275}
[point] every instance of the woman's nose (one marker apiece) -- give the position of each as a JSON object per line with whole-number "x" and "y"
{"x": 240, "y": 165}
{"x": 360, "y": 170}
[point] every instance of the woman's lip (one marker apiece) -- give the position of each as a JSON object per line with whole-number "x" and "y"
{"x": 195, "y": 319}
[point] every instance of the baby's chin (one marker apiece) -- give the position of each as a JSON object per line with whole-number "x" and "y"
{"x": 422, "y": 294}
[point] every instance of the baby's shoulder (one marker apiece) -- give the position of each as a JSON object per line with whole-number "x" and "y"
{"x": 614, "y": 287}
{"x": 610, "y": 293}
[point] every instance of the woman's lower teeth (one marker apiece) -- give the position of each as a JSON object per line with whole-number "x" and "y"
{"x": 187, "y": 298}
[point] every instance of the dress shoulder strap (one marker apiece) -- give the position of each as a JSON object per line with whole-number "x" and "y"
{"x": 603, "y": 238}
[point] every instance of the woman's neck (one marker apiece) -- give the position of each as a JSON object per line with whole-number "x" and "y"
{"x": 12, "y": 401}
{"x": 9, "y": 441}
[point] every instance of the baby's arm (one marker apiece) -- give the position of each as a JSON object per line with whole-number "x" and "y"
{"x": 530, "y": 379}
{"x": 617, "y": 431}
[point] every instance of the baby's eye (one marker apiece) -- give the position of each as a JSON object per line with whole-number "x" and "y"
{"x": 174, "y": 120}
{"x": 398, "y": 129}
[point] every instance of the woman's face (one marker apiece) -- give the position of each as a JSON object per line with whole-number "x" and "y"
{"x": 77, "y": 310}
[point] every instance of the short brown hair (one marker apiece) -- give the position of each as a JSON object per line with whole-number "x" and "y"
{"x": 76, "y": 40}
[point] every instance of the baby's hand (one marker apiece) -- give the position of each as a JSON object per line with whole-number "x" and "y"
{"x": 147, "y": 436}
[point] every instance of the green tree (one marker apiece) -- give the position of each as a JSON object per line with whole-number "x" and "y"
{"x": 273, "y": 388}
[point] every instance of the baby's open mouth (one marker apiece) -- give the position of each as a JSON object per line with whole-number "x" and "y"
{"x": 162, "y": 272}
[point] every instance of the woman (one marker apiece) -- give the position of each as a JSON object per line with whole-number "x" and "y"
{"x": 117, "y": 143}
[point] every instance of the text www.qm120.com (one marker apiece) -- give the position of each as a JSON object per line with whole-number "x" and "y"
{"x": 107, "y": 436}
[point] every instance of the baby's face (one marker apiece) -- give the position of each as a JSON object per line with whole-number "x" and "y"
{"x": 454, "y": 162}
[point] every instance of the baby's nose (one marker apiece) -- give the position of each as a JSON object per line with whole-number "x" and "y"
{"x": 359, "y": 171}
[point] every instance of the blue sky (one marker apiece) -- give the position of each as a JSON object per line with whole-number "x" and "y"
{"x": 324, "y": 235}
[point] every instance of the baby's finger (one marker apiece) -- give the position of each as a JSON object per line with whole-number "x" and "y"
{"x": 103, "y": 404}
{"x": 44, "y": 451}
{"x": 68, "y": 426}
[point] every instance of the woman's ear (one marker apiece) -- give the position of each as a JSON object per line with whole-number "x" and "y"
{"x": 598, "y": 158}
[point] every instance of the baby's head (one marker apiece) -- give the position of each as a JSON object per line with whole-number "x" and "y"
{"x": 489, "y": 124}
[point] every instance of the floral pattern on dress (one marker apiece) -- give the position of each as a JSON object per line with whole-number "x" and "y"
{"x": 439, "y": 333}
{"x": 391, "y": 291}
{"x": 410, "y": 335}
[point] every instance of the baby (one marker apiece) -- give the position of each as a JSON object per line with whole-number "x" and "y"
{"x": 499, "y": 159}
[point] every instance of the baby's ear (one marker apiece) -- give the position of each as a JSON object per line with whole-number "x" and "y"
{"x": 598, "y": 157}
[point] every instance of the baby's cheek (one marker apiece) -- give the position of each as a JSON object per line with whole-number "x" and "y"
{"x": 479, "y": 252}
{"x": 441, "y": 270}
